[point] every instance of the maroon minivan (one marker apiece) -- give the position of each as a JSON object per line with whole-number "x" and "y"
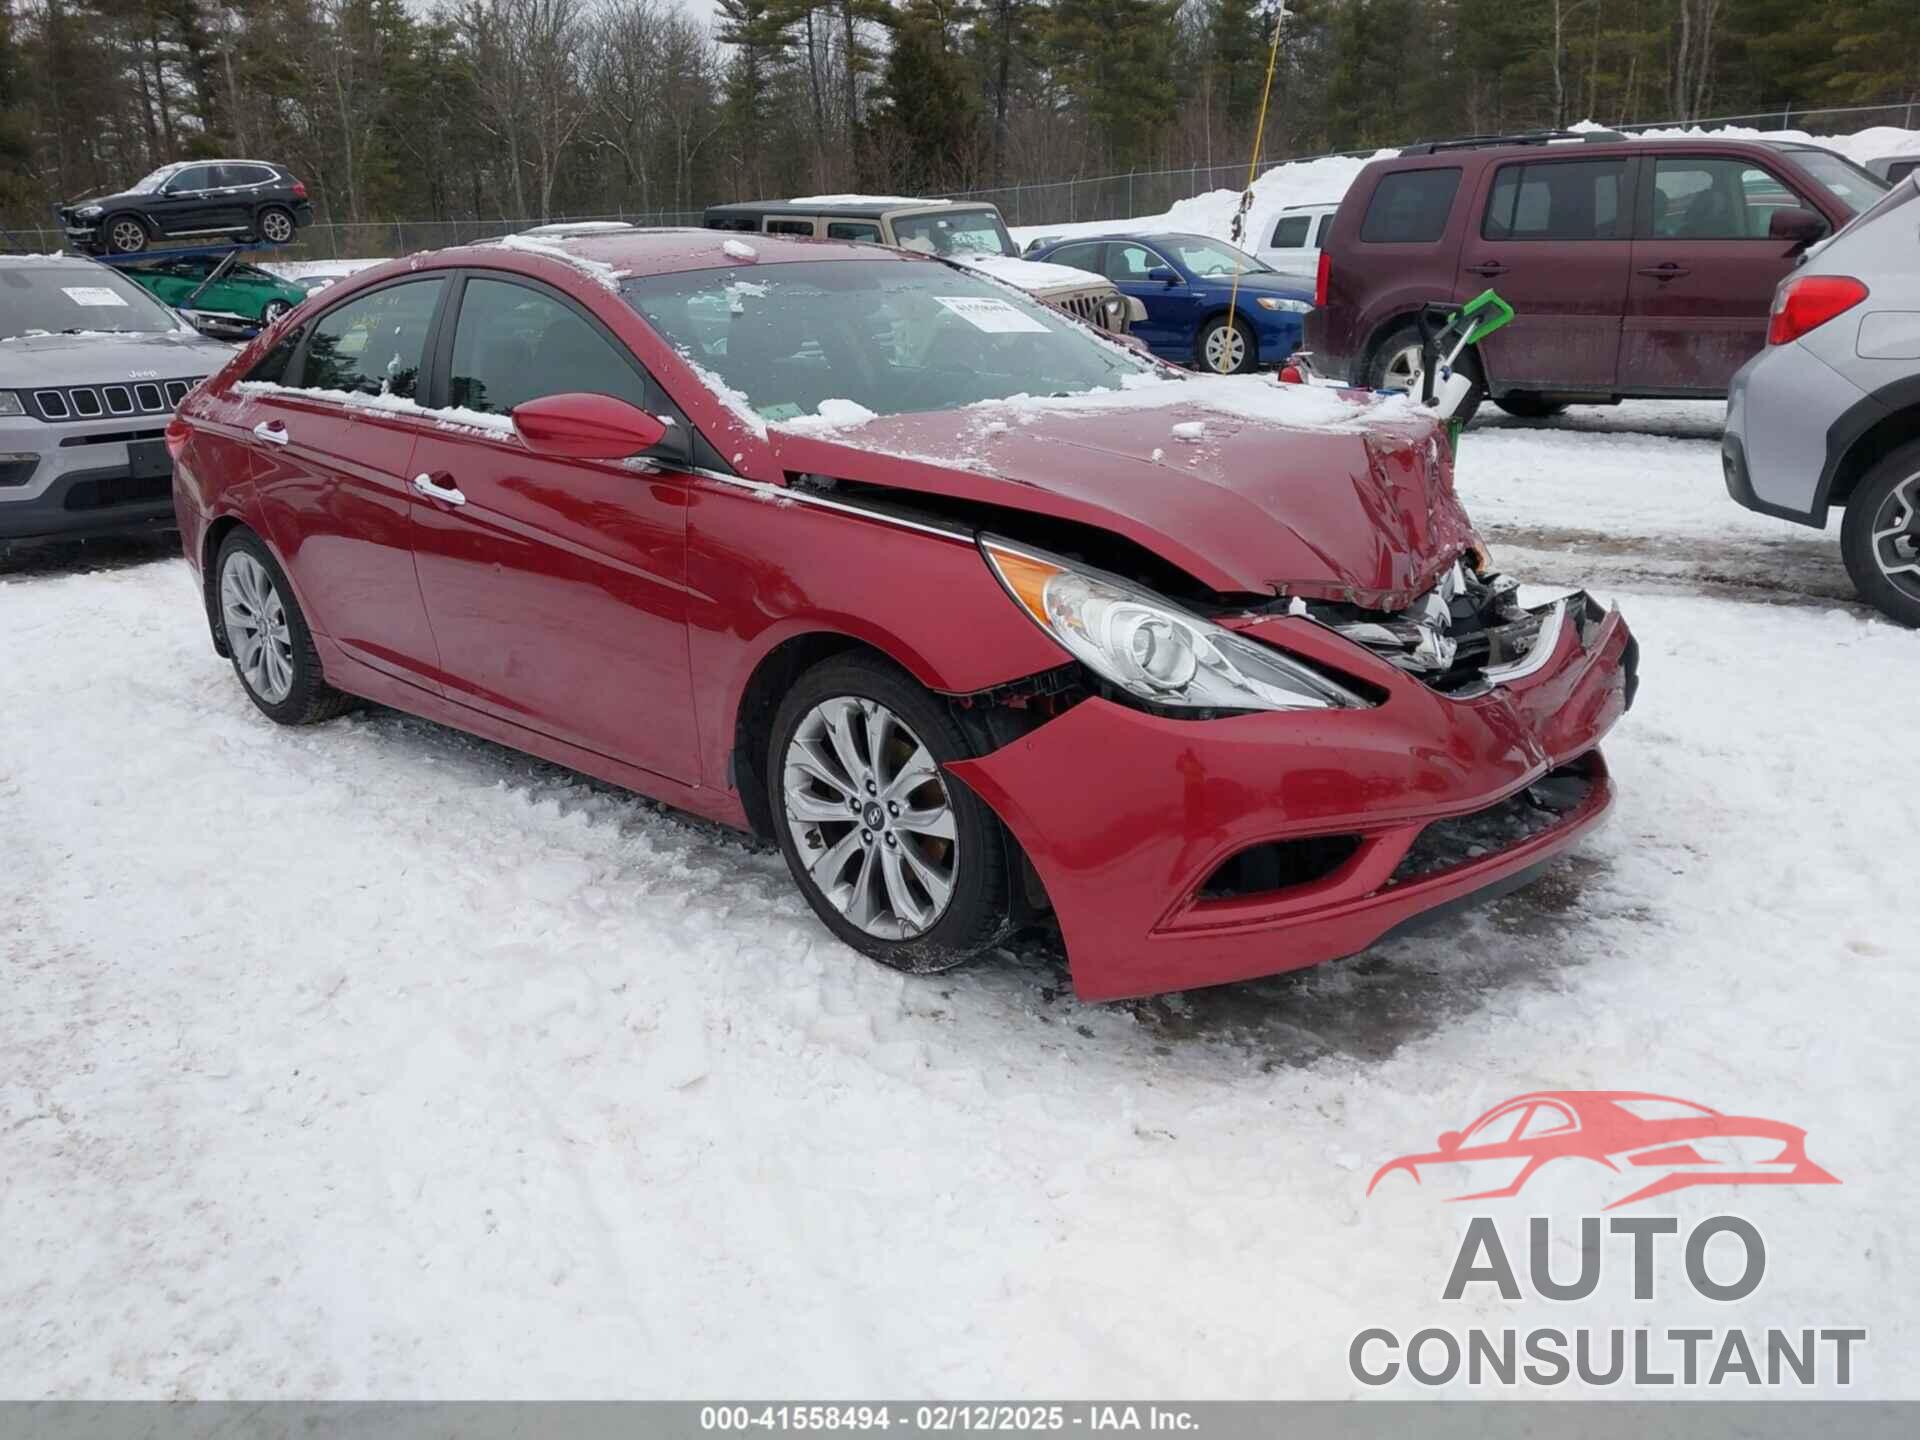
{"x": 1636, "y": 268}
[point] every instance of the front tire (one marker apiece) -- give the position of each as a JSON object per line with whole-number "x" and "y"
{"x": 272, "y": 311}
{"x": 898, "y": 859}
{"x": 267, "y": 636}
{"x": 1227, "y": 347}
{"x": 1880, "y": 536}
{"x": 125, "y": 235}
{"x": 275, "y": 226}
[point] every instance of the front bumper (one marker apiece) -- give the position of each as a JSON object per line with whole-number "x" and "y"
{"x": 1125, "y": 846}
{"x": 84, "y": 482}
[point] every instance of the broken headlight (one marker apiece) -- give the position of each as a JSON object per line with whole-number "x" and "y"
{"x": 1152, "y": 649}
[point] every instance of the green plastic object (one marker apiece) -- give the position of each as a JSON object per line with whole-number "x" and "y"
{"x": 1485, "y": 325}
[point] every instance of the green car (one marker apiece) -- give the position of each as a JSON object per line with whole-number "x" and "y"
{"x": 244, "y": 291}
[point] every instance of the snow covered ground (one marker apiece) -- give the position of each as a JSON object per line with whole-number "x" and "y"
{"x": 375, "y": 1060}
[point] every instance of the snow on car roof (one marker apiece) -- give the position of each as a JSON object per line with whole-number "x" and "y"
{"x": 864, "y": 200}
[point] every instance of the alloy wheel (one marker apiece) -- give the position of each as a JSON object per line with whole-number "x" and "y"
{"x": 257, "y": 629}
{"x": 273, "y": 310}
{"x": 1226, "y": 349}
{"x": 871, "y": 818}
{"x": 1405, "y": 371}
{"x": 276, "y": 227}
{"x": 1896, "y": 536}
{"x": 127, "y": 236}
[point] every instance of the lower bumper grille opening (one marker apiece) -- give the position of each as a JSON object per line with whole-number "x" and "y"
{"x": 1540, "y": 807}
{"x": 114, "y": 490}
{"x": 1279, "y": 865}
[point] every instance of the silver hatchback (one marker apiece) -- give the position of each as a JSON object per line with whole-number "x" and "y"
{"x": 1829, "y": 413}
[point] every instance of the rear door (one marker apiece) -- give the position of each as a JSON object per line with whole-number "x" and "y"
{"x": 1704, "y": 271}
{"x": 556, "y": 588}
{"x": 331, "y": 452}
{"x": 1552, "y": 235}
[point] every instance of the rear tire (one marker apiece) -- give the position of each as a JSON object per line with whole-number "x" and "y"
{"x": 267, "y": 636}
{"x": 275, "y": 225}
{"x": 1397, "y": 365}
{"x": 918, "y": 878}
{"x": 1880, "y": 536}
{"x": 125, "y": 235}
{"x": 1526, "y": 405}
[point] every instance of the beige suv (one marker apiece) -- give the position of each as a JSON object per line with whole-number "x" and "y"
{"x": 967, "y": 234}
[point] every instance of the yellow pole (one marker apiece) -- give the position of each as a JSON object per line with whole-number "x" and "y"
{"x": 1246, "y": 196}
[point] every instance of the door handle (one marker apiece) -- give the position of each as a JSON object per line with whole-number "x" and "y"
{"x": 1487, "y": 269}
{"x": 271, "y": 431}
{"x": 1668, "y": 271}
{"x": 424, "y": 484}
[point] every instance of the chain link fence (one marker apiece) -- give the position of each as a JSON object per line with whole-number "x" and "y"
{"x": 1049, "y": 202}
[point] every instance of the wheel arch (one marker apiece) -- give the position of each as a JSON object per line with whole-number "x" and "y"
{"x": 125, "y": 212}
{"x": 211, "y": 539}
{"x": 1856, "y": 458}
{"x": 1383, "y": 331}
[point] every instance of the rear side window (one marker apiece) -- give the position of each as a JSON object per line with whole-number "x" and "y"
{"x": 514, "y": 344}
{"x": 1320, "y": 234}
{"x": 373, "y": 344}
{"x": 1900, "y": 169}
{"x": 1410, "y": 207}
{"x": 1558, "y": 200}
{"x": 1291, "y": 232}
{"x": 1080, "y": 257}
{"x": 852, "y": 230}
{"x": 789, "y": 227}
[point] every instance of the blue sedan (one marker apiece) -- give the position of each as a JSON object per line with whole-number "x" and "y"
{"x": 1185, "y": 282}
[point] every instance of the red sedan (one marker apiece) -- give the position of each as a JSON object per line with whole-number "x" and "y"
{"x": 983, "y": 617}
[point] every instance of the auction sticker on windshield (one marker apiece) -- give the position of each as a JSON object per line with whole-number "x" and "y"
{"x": 92, "y": 295}
{"x": 996, "y": 317}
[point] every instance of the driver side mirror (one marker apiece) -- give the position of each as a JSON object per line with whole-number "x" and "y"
{"x": 1796, "y": 226}
{"x": 1164, "y": 275}
{"x": 1449, "y": 1141}
{"x": 581, "y": 426}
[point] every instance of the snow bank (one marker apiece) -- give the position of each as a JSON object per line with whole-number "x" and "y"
{"x": 1324, "y": 181}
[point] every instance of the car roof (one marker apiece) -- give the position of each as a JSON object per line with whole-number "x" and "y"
{"x": 665, "y": 251}
{"x": 865, "y": 209}
{"x": 46, "y": 261}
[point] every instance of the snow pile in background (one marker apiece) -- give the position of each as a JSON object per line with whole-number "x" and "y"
{"x": 1324, "y": 181}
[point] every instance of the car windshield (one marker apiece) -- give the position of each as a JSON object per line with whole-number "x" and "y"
{"x": 1213, "y": 257}
{"x": 147, "y": 184}
{"x": 894, "y": 337}
{"x": 1852, "y": 186}
{"x": 954, "y": 232}
{"x": 71, "y": 299}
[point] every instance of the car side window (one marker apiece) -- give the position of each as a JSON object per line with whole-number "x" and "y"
{"x": 1291, "y": 232}
{"x": 852, "y": 230}
{"x": 194, "y": 177}
{"x": 789, "y": 227}
{"x": 374, "y": 343}
{"x": 1703, "y": 198}
{"x": 1129, "y": 264}
{"x": 1496, "y": 1129}
{"x": 271, "y": 368}
{"x": 1078, "y": 257}
{"x": 1558, "y": 200}
{"x": 1320, "y": 232}
{"x": 1410, "y": 207}
{"x": 1900, "y": 169}
{"x": 514, "y": 344}
{"x": 1545, "y": 1120}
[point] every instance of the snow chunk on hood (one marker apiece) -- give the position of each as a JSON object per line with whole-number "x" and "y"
{"x": 832, "y": 415}
{"x": 739, "y": 250}
{"x": 1029, "y": 275}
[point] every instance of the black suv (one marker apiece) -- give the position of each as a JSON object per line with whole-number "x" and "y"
{"x": 211, "y": 200}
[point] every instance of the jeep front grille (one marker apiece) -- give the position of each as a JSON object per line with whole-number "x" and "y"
{"x": 97, "y": 402}
{"x": 1093, "y": 310}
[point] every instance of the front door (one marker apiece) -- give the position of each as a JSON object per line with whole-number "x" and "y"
{"x": 193, "y": 205}
{"x": 332, "y": 470}
{"x": 1704, "y": 272}
{"x": 1552, "y": 237}
{"x": 1173, "y": 309}
{"x": 555, "y": 587}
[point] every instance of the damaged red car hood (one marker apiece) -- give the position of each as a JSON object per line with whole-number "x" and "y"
{"x": 1360, "y": 509}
